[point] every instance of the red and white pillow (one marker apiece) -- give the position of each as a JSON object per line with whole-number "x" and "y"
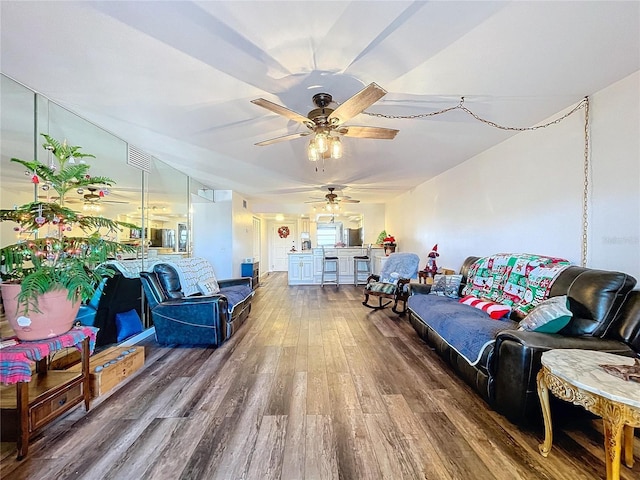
{"x": 495, "y": 310}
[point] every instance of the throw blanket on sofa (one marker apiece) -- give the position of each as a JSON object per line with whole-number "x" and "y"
{"x": 191, "y": 271}
{"x": 466, "y": 329}
{"x": 521, "y": 281}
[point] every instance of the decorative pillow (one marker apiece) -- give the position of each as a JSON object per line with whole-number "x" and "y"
{"x": 128, "y": 324}
{"x": 209, "y": 286}
{"x": 550, "y": 316}
{"x": 446, "y": 285}
{"x": 495, "y": 310}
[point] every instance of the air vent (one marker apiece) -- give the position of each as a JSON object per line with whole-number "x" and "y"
{"x": 139, "y": 159}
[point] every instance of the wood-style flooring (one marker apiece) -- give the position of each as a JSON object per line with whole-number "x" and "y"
{"x": 313, "y": 386}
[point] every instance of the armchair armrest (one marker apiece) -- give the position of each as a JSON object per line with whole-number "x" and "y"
{"x": 419, "y": 289}
{"x": 193, "y": 310}
{"x": 230, "y": 282}
{"x": 373, "y": 277}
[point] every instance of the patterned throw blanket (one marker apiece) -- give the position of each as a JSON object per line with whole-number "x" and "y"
{"x": 16, "y": 360}
{"x": 521, "y": 281}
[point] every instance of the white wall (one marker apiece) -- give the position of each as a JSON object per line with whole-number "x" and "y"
{"x": 212, "y": 236}
{"x": 242, "y": 233}
{"x": 525, "y": 194}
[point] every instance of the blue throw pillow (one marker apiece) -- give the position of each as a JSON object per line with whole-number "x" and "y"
{"x": 128, "y": 324}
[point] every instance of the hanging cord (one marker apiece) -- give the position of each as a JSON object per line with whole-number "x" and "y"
{"x": 585, "y": 192}
{"x": 584, "y": 103}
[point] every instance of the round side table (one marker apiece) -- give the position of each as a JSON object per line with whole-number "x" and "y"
{"x": 576, "y": 376}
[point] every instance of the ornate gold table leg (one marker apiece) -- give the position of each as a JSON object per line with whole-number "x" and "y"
{"x": 612, "y": 446}
{"x": 543, "y": 394}
{"x": 628, "y": 446}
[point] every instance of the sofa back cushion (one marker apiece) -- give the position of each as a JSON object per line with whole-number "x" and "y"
{"x": 169, "y": 280}
{"x": 595, "y": 296}
{"x": 626, "y": 327}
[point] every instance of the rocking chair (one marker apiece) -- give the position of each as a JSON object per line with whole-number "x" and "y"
{"x": 392, "y": 283}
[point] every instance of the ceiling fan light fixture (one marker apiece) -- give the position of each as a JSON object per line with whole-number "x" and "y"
{"x": 322, "y": 142}
{"x": 336, "y": 147}
{"x": 312, "y": 151}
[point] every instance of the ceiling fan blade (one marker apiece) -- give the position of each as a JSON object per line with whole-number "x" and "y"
{"x": 283, "y": 138}
{"x": 280, "y": 110}
{"x": 356, "y": 104}
{"x": 349, "y": 201}
{"x": 368, "y": 132}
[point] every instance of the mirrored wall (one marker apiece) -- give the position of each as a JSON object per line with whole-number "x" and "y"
{"x": 157, "y": 200}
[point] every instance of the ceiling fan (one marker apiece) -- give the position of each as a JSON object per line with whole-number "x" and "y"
{"x": 94, "y": 196}
{"x": 324, "y": 120}
{"x": 332, "y": 198}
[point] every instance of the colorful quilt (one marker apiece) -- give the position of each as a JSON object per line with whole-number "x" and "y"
{"x": 16, "y": 360}
{"x": 519, "y": 280}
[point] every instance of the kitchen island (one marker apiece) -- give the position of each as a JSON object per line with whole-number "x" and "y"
{"x": 305, "y": 267}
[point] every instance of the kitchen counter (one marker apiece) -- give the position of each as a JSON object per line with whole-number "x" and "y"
{"x": 305, "y": 266}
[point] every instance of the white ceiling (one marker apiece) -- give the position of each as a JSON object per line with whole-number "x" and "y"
{"x": 176, "y": 79}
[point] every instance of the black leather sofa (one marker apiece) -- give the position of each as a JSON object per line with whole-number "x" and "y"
{"x": 194, "y": 320}
{"x": 606, "y": 317}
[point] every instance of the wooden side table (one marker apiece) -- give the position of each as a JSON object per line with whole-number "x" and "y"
{"x": 37, "y": 400}
{"x": 576, "y": 376}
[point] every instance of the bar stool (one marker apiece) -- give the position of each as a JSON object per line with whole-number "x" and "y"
{"x": 329, "y": 258}
{"x": 363, "y": 261}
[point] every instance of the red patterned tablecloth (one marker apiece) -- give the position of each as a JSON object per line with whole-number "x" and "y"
{"x": 16, "y": 360}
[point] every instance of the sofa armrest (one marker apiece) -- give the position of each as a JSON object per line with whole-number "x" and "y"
{"x": 515, "y": 363}
{"x": 230, "y": 282}
{"x": 419, "y": 289}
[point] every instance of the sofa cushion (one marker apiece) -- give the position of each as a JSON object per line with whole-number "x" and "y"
{"x": 236, "y": 294}
{"x": 493, "y": 309}
{"x": 467, "y": 330}
{"x": 169, "y": 280}
{"x": 446, "y": 285}
{"x": 550, "y": 316}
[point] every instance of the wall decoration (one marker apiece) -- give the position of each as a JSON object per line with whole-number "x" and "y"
{"x": 283, "y": 231}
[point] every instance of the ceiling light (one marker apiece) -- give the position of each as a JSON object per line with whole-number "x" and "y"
{"x": 322, "y": 142}
{"x": 336, "y": 147}
{"x": 312, "y": 151}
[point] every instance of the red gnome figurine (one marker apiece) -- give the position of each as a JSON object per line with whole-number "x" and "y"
{"x": 432, "y": 267}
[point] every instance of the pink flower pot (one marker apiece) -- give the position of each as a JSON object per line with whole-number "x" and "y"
{"x": 56, "y": 315}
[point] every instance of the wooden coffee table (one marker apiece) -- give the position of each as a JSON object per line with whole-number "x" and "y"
{"x": 577, "y": 377}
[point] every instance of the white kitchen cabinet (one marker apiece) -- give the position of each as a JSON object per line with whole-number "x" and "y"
{"x": 301, "y": 269}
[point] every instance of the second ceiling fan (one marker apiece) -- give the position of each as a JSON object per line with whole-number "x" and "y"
{"x": 325, "y": 120}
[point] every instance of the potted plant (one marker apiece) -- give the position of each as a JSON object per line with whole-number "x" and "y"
{"x": 46, "y": 274}
{"x": 381, "y": 236}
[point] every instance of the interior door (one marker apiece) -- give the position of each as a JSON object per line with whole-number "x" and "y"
{"x": 281, "y": 244}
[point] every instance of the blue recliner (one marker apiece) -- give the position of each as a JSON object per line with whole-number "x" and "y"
{"x": 393, "y": 281}
{"x": 194, "y": 320}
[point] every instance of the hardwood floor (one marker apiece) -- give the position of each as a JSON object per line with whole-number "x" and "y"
{"x": 313, "y": 386}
